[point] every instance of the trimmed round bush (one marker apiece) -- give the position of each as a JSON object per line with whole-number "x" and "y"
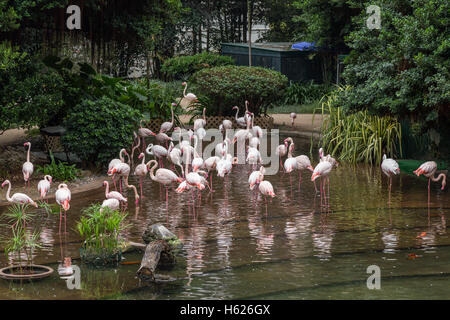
{"x": 181, "y": 68}
{"x": 98, "y": 129}
{"x": 221, "y": 88}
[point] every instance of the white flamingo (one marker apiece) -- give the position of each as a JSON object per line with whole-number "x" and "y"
{"x": 112, "y": 204}
{"x": 141, "y": 170}
{"x": 113, "y": 194}
{"x": 166, "y": 126}
{"x": 256, "y": 130}
{"x": 44, "y": 186}
{"x": 241, "y": 120}
{"x": 144, "y": 133}
{"x": 115, "y": 162}
{"x": 122, "y": 170}
{"x": 293, "y": 115}
{"x": 303, "y": 163}
{"x": 27, "y": 167}
{"x": 63, "y": 197}
{"x": 19, "y": 198}
{"x": 256, "y": 177}
{"x": 200, "y": 123}
{"x": 163, "y": 176}
{"x": 322, "y": 170}
{"x": 390, "y": 168}
{"x": 281, "y": 151}
{"x": 266, "y": 189}
{"x": 190, "y": 97}
{"x": 158, "y": 151}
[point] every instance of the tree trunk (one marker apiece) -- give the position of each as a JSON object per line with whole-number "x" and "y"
{"x": 151, "y": 258}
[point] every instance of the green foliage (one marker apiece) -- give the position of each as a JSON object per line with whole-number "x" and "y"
{"x": 359, "y": 136}
{"x": 59, "y": 171}
{"x": 403, "y": 68}
{"x": 227, "y": 86}
{"x": 183, "y": 67}
{"x": 100, "y": 228}
{"x": 305, "y": 93}
{"x": 97, "y": 130}
{"x": 8, "y": 17}
{"x": 30, "y": 93}
{"x": 22, "y": 241}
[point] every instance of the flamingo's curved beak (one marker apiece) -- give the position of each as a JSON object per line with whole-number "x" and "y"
{"x": 310, "y": 168}
{"x": 314, "y": 176}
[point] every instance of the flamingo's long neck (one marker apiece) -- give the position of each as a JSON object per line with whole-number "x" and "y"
{"x": 171, "y": 110}
{"x": 439, "y": 177}
{"x": 28, "y": 152}
{"x": 121, "y": 154}
{"x": 152, "y": 169}
{"x": 184, "y": 91}
{"x": 291, "y": 146}
{"x": 143, "y": 159}
{"x": 8, "y": 191}
{"x": 107, "y": 189}
{"x": 253, "y": 116}
{"x": 237, "y": 112}
{"x": 204, "y": 114}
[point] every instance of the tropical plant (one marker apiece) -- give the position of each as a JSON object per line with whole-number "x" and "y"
{"x": 59, "y": 171}
{"x": 22, "y": 241}
{"x": 97, "y": 130}
{"x": 100, "y": 228}
{"x": 359, "y": 136}
{"x": 304, "y": 93}
{"x": 181, "y": 68}
{"x": 227, "y": 86}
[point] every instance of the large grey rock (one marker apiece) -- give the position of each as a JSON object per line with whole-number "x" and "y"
{"x": 157, "y": 231}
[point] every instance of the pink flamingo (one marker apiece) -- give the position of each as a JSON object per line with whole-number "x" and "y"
{"x": 390, "y": 168}
{"x": 157, "y": 151}
{"x": 141, "y": 170}
{"x": 293, "y": 115}
{"x": 143, "y": 133}
{"x": 428, "y": 169}
{"x": 322, "y": 170}
{"x": 115, "y": 162}
{"x": 44, "y": 186}
{"x": 130, "y": 186}
{"x": 303, "y": 163}
{"x": 256, "y": 130}
{"x": 210, "y": 165}
{"x": 190, "y": 97}
{"x": 63, "y": 197}
{"x": 112, "y": 204}
{"x": 241, "y": 120}
{"x": 166, "y": 126}
{"x": 256, "y": 177}
{"x": 290, "y": 164}
{"x": 27, "y": 167}
{"x": 163, "y": 176}
{"x": 163, "y": 139}
{"x": 281, "y": 151}
{"x": 113, "y": 194}
{"x": 266, "y": 189}
{"x": 19, "y": 198}
{"x": 174, "y": 156}
{"x": 121, "y": 169}
{"x": 200, "y": 123}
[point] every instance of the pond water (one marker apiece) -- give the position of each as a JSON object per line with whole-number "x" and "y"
{"x": 299, "y": 250}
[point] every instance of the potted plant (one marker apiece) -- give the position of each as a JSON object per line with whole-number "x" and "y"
{"x": 22, "y": 242}
{"x": 100, "y": 228}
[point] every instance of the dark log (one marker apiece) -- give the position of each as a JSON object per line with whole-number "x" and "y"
{"x": 151, "y": 258}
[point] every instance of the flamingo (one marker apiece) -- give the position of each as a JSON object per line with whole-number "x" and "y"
{"x": 200, "y": 123}
{"x": 157, "y": 151}
{"x": 163, "y": 139}
{"x": 239, "y": 121}
{"x": 113, "y": 194}
{"x": 222, "y": 148}
{"x": 190, "y": 97}
{"x": 44, "y": 186}
{"x": 141, "y": 170}
{"x": 266, "y": 189}
{"x": 281, "y": 151}
{"x": 112, "y": 204}
{"x": 115, "y": 162}
{"x": 19, "y": 198}
{"x": 303, "y": 163}
{"x": 428, "y": 169}
{"x": 123, "y": 170}
{"x": 253, "y": 156}
{"x": 210, "y": 165}
{"x": 63, "y": 197}
{"x": 254, "y": 142}
{"x": 322, "y": 170}
{"x": 256, "y": 130}
{"x": 27, "y": 167}
{"x": 226, "y": 124}
{"x": 243, "y": 134}
{"x": 256, "y": 177}
{"x": 293, "y": 115}
{"x": 129, "y": 186}
{"x": 163, "y": 176}
{"x": 175, "y": 156}
{"x": 290, "y": 164}
{"x": 247, "y": 114}
{"x": 143, "y": 133}
{"x": 390, "y": 168}
{"x": 166, "y": 126}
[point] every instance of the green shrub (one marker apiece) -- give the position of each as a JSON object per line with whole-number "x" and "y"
{"x": 59, "y": 171}
{"x": 359, "y": 136}
{"x": 227, "y": 86}
{"x": 183, "y": 67}
{"x": 304, "y": 93}
{"x": 97, "y": 130}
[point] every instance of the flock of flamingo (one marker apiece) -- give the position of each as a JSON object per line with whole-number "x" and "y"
{"x": 194, "y": 174}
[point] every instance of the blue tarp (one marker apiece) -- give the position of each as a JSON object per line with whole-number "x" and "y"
{"x": 304, "y": 46}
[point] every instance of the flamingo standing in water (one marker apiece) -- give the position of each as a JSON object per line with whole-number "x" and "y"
{"x": 157, "y": 151}
{"x": 143, "y": 133}
{"x": 115, "y": 162}
{"x": 141, "y": 170}
{"x": 428, "y": 169}
{"x": 241, "y": 120}
{"x": 290, "y": 164}
{"x": 266, "y": 189}
{"x": 256, "y": 177}
{"x": 112, "y": 204}
{"x": 210, "y": 165}
{"x": 19, "y": 198}
{"x": 166, "y": 126}
{"x": 121, "y": 169}
{"x": 44, "y": 186}
{"x": 63, "y": 197}
{"x": 322, "y": 170}
{"x": 293, "y": 115}
{"x": 303, "y": 163}
{"x": 163, "y": 176}
{"x": 200, "y": 123}
{"x": 281, "y": 151}
{"x": 390, "y": 168}
{"x": 27, "y": 167}
{"x": 113, "y": 194}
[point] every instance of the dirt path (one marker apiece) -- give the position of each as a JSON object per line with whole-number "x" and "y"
{"x": 12, "y": 136}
